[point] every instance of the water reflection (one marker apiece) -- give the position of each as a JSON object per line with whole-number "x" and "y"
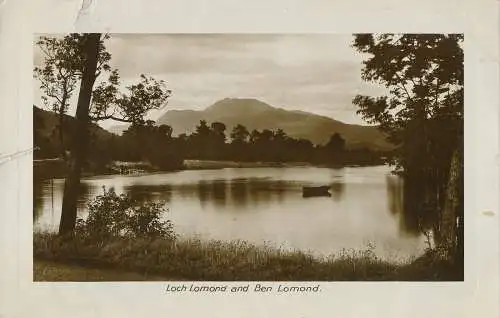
{"x": 47, "y": 202}
{"x": 238, "y": 192}
{"x": 38, "y": 199}
{"x": 409, "y": 219}
{"x": 144, "y": 193}
{"x": 264, "y": 205}
{"x": 395, "y": 194}
{"x": 218, "y": 192}
{"x": 337, "y": 190}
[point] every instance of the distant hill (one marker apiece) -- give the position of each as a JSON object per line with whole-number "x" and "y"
{"x": 255, "y": 114}
{"x": 46, "y": 136}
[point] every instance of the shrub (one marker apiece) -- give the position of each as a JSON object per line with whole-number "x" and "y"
{"x": 112, "y": 215}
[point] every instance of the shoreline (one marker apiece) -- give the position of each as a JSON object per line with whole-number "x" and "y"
{"x": 54, "y": 168}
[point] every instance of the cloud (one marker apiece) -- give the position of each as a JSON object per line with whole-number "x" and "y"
{"x": 319, "y": 73}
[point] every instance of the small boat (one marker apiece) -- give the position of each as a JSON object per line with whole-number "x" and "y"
{"x": 321, "y": 191}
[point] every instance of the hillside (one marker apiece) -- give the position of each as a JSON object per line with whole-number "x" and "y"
{"x": 255, "y": 114}
{"x": 45, "y": 132}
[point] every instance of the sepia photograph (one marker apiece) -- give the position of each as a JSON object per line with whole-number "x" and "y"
{"x": 248, "y": 157}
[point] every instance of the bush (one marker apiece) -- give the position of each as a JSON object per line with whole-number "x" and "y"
{"x": 111, "y": 215}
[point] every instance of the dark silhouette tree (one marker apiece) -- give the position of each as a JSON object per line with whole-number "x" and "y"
{"x": 166, "y": 131}
{"x": 279, "y": 135}
{"x": 423, "y": 115}
{"x": 60, "y": 73}
{"x": 335, "y": 149}
{"x": 266, "y": 136}
{"x": 217, "y": 141}
{"x": 218, "y": 131}
{"x": 86, "y": 59}
{"x": 254, "y": 136}
{"x": 280, "y": 143}
{"x": 202, "y": 129}
{"x": 89, "y": 53}
{"x": 336, "y": 143}
{"x": 200, "y": 140}
{"x": 239, "y": 143}
{"x": 239, "y": 134}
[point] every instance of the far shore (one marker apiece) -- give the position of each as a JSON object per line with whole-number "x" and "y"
{"x": 54, "y": 167}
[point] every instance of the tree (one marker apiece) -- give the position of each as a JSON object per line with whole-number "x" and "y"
{"x": 202, "y": 129}
{"x": 422, "y": 114}
{"x": 279, "y": 135}
{"x": 217, "y": 141}
{"x": 60, "y": 74}
{"x": 88, "y": 57}
{"x": 68, "y": 216}
{"x": 424, "y": 75}
{"x": 255, "y": 136}
{"x": 266, "y": 136}
{"x": 219, "y": 130}
{"x": 336, "y": 143}
{"x": 239, "y": 142}
{"x": 335, "y": 148}
{"x": 218, "y": 134}
{"x": 278, "y": 151}
{"x": 239, "y": 134}
{"x": 165, "y": 131}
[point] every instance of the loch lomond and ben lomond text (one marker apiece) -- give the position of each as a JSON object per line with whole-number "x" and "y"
{"x": 257, "y": 288}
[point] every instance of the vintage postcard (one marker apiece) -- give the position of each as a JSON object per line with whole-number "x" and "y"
{"x": 249, "y": 156}
{"x": 266, "y": 167}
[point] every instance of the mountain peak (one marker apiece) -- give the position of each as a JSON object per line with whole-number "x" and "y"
{"x": 232, "y": 105}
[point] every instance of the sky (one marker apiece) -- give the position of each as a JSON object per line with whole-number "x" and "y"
{"x": 318, "y": 73}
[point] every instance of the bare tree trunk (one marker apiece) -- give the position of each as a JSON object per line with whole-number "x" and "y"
{"x": 61, "y": 128}
{"x": 452, "y": 204}
{"x": 79, "y": 140}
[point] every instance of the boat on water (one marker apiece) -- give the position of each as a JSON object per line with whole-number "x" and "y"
{"x": 321, "y": 191}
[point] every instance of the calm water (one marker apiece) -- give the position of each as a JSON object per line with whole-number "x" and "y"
{"x": 265, "y": 206}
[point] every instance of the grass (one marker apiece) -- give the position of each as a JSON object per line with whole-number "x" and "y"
{"x": 157, "y": 259}
{"x": 47, "y": 271}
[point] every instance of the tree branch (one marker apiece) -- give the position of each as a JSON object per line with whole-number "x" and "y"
{"x": 110, "y": 117}
{"x": 55, "y": 96}
{"x": 404, "y": 87}
{"x": 71, "y": 89}
{"x": 46, "y": 52}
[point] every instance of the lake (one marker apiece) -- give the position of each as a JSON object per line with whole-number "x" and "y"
{"x": 265, "y": 206}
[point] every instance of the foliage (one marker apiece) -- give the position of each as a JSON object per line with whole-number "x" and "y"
{"x": 111, "y": 215}
{"x": 424, "y": 77}
{"x": 62, "y": 70}
{"x": 147, "y": 142}
{"x": 209, "y": 142}
{"x": 131, "y": 106}
{"x": 336, "y": 143}
{"x": 239, "y": 134}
